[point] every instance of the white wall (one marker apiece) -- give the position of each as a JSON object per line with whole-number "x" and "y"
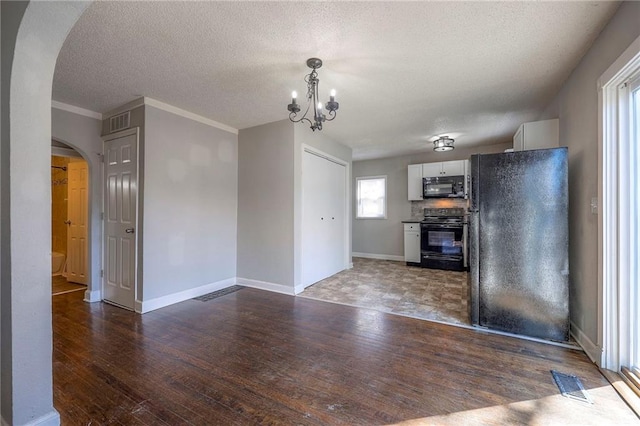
{"x": 385, "y": 236}
{"x": 577, "y": 107}
{"x": 190, "y": 204}
{"x": 83, "y": 134}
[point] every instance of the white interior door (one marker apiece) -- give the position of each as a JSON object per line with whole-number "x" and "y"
{"x": 120, "y": 213}
{"x": 335, "y": 249}
{"x": 323, "y": 218}
{"x": 77, "y": 211}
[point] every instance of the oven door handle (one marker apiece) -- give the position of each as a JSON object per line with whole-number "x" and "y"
{"x": 439, "y": 226}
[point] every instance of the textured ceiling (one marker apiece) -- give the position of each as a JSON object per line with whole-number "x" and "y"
{"x": 404, "y": 72}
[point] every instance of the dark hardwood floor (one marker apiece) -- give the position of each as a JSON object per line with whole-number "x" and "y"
{"x": 60, "y": 285}
{"x": 254, "y": 357}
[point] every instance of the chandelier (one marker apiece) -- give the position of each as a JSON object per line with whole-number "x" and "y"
{"x": 312, "y": 99}
{"x": 443, "y": 143}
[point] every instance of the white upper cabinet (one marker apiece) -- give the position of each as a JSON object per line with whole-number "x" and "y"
{"x": 414, "y": 182}
{"x": 431, "y": 169}
{"x": 453, "y": 168}
{"x": 416, "y": 172}
{"x": 537, "y": 135}
{"x": 444, "y": 168}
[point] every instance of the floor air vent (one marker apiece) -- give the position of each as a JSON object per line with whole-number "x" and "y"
{"x": 571, "y": 387}
{"x": 219, "y": 293}
{"x": 119, "y": 122}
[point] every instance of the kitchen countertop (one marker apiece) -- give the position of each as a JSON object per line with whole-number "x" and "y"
{"x": 413, "y": 220}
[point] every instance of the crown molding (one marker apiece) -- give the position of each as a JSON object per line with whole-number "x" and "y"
{"x": 76, "y": 110}
{"x": 183, "y": 113}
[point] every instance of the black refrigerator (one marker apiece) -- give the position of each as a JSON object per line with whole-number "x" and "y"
{"x": 518, "y": 243}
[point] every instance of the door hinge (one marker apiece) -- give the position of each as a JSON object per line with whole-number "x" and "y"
{"x": 101, "y": 215}
{"x": 101, "y": 273}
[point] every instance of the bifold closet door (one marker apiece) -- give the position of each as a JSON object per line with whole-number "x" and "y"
{"x": 323, "y": 218}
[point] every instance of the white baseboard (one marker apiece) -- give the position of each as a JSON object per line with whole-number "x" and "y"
{"x": 591, "y": 349}
{"x": 49, "y": 419}
{"x": 92, "y": 296}
{"x": 298, "y": 289}
{"x": 145, "y": 306}
{"x": 263, "y": 285}
{"x": 378, "y": 256}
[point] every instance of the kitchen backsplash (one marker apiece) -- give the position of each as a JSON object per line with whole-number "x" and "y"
{"x": 417, "y": 207}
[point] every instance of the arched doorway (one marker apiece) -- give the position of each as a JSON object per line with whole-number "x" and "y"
{"x": 32, "y": 36}
{"x": 69, "y": 219}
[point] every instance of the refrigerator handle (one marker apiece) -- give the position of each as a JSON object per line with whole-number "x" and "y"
{"x": 473, "y": 183}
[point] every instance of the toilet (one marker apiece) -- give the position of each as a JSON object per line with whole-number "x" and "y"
{"x": 57, "y": 263}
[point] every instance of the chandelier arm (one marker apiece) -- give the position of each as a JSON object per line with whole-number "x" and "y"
{"x": 332, "y": 114}
{"x": 292, "y": 117}
{"x": 304, "y": 116}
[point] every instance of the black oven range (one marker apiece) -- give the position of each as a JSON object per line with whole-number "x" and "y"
{"x": 443, "y": 239}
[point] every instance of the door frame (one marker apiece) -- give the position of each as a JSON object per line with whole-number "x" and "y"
{"x": 137, "y": 235}
{"x": 73, "y": 152}
{"x": 299, "y": 287}
{"x": 616, "y": 269}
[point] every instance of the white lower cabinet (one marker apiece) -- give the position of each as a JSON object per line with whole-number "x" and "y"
{"x": 412, "y": 242}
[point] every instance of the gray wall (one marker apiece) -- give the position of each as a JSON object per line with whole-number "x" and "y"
{"x": 577, "y": 107}
{"x": 26, "y": 206}
{"x": 269, "y": 199}
{"x": 11, "y": 14}
{"x": 265, "y": 203}
{"x": 190, "y": 204}
{"x": 385, "y": 236}
{"x": 83, "y": 134}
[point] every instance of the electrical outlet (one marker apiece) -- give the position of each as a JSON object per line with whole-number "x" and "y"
{"x": 594, "y": 205}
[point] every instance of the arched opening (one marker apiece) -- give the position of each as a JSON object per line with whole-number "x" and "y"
{"x": 32, "y": 40}
{"x": 70, "y": 233}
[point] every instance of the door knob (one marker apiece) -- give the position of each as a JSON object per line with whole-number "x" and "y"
{"x": 129, "y": 230}
{"x": 67, "y": 222}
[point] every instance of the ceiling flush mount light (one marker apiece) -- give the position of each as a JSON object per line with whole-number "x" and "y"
{"x": 312, "y": 100}
{"x": 443, "y": 143}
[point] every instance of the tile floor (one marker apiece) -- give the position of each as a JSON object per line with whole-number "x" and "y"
{"x": 390, "y": 286}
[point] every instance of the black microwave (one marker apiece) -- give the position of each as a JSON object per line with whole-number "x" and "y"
{"x": 443, "y": 187}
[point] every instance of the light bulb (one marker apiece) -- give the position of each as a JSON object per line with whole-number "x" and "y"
{"x": 319, "y": 106}
{"x": 333, "y": 93}
{"x": 294, "y": 94}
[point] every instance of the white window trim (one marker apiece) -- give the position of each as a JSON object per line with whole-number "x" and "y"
{"x": 616, "y": 268}
{"x": 386, "y": 197}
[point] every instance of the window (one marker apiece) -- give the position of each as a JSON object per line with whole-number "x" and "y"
{"x": 371, "y": 193}
{"x": 620, "y": 222}
{"x": 634, "y": 255}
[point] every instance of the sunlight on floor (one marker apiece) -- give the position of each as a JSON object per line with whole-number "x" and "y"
{"x": 607, "y": 409}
